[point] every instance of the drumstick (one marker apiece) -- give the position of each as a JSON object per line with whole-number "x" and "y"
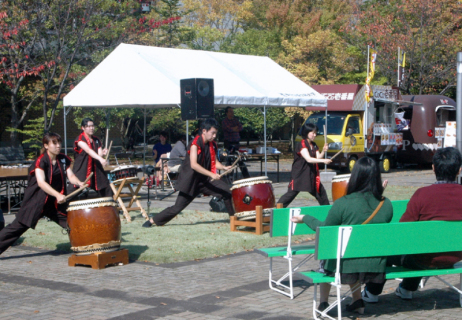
{"x": 109, "y": 150}
{"x": 233, "y": 166}
{"x": 79, "y": 189}
{"x": 226, "y": 172}
{"x": 337, "y": 153}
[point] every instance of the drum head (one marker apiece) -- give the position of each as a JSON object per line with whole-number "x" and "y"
{"x": 249, "y": 215}
{"x": 122, "y": 168}
{"x": 341, "y": 177}
{"x": 242, "y": 181}
{"x": 91, "y": 203}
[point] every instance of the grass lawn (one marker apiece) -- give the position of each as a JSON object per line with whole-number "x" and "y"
{"x": 190, "y": 236}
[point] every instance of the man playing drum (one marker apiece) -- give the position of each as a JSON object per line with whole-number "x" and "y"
{"x": 305, "y": 171}
{"x": 197, "y": 171}
{"x": 45, "y": 192}
{"x": 88, "y": 157}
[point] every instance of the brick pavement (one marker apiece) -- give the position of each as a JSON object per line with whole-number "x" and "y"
{"x": 38, "y": 284}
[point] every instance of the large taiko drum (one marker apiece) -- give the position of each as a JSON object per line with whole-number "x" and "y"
{"x": 94, "y": 225}
{"x": 340, "y": 185}
{"x": 252, "y": 192}
{"x": 123, "y": 172}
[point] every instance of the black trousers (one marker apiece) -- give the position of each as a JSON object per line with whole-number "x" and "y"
{"x": 407, "y": 261}
{"x": 290, "y": 195}
{"x": 15, "y": 230}
{"x": 215, "y": 188}
{"x": 103, "y": 193}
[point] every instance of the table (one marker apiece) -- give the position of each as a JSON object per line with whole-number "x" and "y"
{"x": 271, "y": 157}
{"x": 13, "y": 177}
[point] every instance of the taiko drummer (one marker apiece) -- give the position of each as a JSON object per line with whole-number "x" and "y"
{"x": 88, "y": 157}
{"x": 196, "y": 173}
{"x": 305, "y": 169}
{"x": 45, "y": 192}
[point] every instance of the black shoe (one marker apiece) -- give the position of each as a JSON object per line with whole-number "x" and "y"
{"x": 147, "y": 224}
{"x": 323, "y": 306}
{"x": 357, "y": 306}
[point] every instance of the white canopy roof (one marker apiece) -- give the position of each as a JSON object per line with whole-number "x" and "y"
{"x": 142, "y": 76}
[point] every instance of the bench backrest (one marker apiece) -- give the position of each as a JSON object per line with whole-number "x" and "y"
{"x": 280, "y": 218}
{"x": 388, "y": 239}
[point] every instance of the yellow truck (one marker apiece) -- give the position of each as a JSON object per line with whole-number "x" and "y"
{"x": 356, "y": 128}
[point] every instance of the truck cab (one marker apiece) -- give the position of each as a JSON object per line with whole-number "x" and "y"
{"x": 357, "y": 127}
{"x": 344, "y": 130}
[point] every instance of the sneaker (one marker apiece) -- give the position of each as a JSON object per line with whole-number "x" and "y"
{"x": 403, "y": 293}
{"x": 369, "y": 297}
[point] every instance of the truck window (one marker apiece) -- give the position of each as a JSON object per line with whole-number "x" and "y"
{"x": 443, "y": 115}
{"x": 354, "y": 124}
{"x": 335, "y": 122}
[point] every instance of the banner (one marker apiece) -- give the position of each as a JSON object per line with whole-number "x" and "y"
{"x": 401, "y": 66}
{"x": 370, "y": 76}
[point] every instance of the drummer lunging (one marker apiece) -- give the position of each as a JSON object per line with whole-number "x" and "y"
{"x": 196, "y": 173}
{"x": 305, "y": 170}
{"x": 88, "y": 157}
{"x": 45, "y": 192}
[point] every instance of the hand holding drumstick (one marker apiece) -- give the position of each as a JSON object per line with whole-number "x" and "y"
{"x": 230, "y": 168}
{"x": 84, "y": 185}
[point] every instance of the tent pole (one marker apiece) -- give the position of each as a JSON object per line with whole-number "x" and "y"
{"x": 65, "y": 132}
{"x": 65, "y": 128}
{"x": 144, "y": 139}
{"x": 187, "y": 133}
{"x": 325, "y": 133}
{"x": 264, "y": 132}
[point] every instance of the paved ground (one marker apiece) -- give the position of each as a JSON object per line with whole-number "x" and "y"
{"x": 37, "y": 284}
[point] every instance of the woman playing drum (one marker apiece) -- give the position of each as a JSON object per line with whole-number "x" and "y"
{"x": 305, "y": 171}
{"x": 45, "y": 192}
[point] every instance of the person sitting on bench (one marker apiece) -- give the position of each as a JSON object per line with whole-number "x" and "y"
{"x": 439, "y": 201}
{"x": 362, "y": 201}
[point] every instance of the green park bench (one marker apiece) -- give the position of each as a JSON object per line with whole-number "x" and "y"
{"x": 279, "y": 227}
{"x": 388, "y": 239}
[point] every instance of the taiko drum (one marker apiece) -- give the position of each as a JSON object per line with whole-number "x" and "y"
{"x": 94, "y": 225}
{"x": 123, "y": 172}
{"x": 252, "y": 192}
{"x": 340, "y": 186}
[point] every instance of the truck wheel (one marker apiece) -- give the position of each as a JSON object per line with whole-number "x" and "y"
{"x": 385, "y": 164}
{"x": 351, "y": 163}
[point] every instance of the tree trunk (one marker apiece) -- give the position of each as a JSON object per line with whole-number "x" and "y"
{"x": 14, "y": 123}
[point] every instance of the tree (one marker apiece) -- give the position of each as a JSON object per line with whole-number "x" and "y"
{"x": 427, "y": 30}
{"x": 169, "y": 119}
{"x": 212, "y": 22}
{"x": 172, "y": 34}
{"x": 47, "y": 46}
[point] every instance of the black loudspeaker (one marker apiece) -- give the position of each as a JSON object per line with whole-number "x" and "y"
{"x": 197, "y": 98}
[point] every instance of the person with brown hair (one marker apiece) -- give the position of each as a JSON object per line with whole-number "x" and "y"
{"x": 88, "y": 157}
{"x": 45, "y": 192}
{"x": 362, "y": 204}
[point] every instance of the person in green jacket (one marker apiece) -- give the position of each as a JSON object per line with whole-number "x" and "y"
{"x": 364, "y": 194}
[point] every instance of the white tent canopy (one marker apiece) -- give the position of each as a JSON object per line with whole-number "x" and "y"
{"x": 149, "y": 77}
{"x": 142, "y": 76}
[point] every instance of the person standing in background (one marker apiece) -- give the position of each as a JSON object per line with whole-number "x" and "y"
{"x": 231, "y": 128}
